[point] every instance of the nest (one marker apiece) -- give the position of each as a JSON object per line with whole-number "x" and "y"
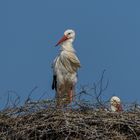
{"x": 86, "y": 120}
{"x": 37, "y": 121}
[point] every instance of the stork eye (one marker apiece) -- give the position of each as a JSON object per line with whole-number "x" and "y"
{"x": 69, "y": 33}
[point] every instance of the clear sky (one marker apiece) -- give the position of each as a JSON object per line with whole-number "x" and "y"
{"x": 107, "y": 37}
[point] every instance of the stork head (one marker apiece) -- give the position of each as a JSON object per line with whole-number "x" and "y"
{"x": 69, "y": 36}
{"x": 115, "y": 103}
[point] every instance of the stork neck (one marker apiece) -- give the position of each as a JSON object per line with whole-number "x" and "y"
{"x": 67, "y": 46}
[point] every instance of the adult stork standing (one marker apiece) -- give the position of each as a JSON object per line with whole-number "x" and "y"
{"x": 115, "y": 104}
{"x": 65, "y": 68}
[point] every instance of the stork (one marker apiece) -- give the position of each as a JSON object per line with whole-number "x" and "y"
{"x": 115, "y": 104}
{"x": 65, "y": 68}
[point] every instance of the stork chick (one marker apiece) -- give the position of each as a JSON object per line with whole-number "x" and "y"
{"x": 115, "y": 104}
{"x": 65, "y": 68}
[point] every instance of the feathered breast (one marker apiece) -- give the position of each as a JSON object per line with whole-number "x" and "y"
{"x": 70, "y": 61}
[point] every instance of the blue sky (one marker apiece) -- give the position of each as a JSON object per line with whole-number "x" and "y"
{"x": 107, "y": 37}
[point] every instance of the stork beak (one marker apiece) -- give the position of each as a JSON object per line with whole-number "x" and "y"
{"x": 119, "y": 108}
{"x": 64, "y": 38}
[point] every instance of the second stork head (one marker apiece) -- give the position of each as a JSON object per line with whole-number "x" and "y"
{"x": 115, "y": 103}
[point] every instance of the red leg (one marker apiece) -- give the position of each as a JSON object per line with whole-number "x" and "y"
{"x": 70, "y": 94}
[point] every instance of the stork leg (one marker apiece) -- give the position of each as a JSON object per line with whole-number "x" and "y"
{"x": 70, "y": 96}
{"x": 58, "y": 102}
{"x": 59, "y": 97}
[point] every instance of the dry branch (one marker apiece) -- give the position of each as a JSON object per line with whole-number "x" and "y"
{"x": 77, "y": 124}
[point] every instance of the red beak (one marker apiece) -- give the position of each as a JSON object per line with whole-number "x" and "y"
{"x": 119, "y": 107}
{"x": 64, "y": 38}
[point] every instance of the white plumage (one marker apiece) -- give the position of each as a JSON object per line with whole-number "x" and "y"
{"x": 115, "y": 104}
{"x": 65, "y": 68}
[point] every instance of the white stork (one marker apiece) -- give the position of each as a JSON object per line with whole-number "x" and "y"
{"x": 65, "y": 68}
{"x": 115, "y": 104}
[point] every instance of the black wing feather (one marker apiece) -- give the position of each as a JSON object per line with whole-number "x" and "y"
{"x": 54, "y": 83}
